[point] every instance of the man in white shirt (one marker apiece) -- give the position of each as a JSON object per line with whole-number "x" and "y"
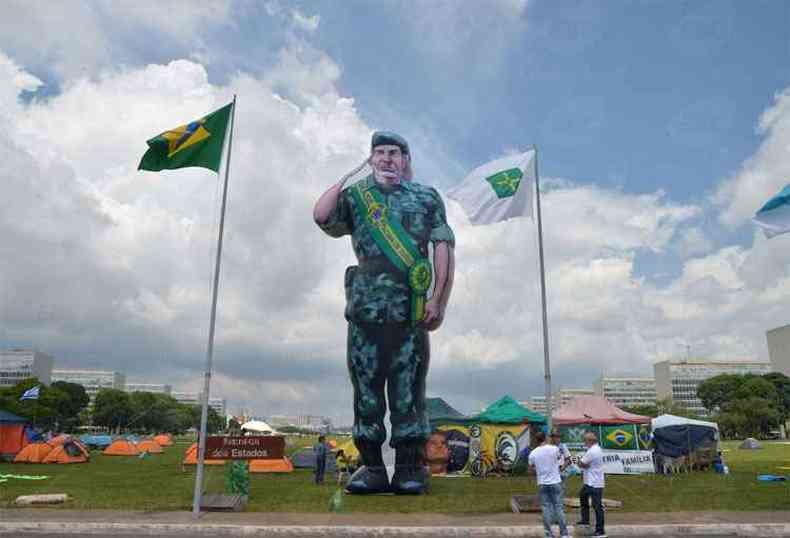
{"x": 593, "y": 477}
{"x": 545, "y": 460}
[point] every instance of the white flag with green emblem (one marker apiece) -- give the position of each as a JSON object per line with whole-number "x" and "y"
{"x": 498, "y": 190}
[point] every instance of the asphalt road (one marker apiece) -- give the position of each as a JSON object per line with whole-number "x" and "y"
{"x": 339, "y": 534}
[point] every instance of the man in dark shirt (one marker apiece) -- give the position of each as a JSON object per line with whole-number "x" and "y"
{"x": 320, "y": 450}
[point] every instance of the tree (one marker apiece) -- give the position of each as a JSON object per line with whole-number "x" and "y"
{"x": 667, "y": 407}
{"x": 112, "y": 409}
{"x": 70, "y": 407}
{"x": 718, "y": 390}
{"x": 214, "y": 423}
{"x": 749, "y": 417}
{"x": 757, "y": 387}
{"x": 782, "y": 385}
{"x": 645, "y": 410}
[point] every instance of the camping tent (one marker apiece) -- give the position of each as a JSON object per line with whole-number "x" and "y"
{"x": 750, "y": 444}
{"x": 677, "y": 436}
{"x": 190, "y": 457}
{"x": 616, "y": 429}
{"x": 305, "y": 459}
{"x": 70, "y": 451}
{"x": 257, "y": 426}
{"x": 477, "y": 444}
{"x": 12, "y": 435}
{"x": 121, "y": 447}
{"x": 164, "y": 439}
{"x": 33, "y": 453}
{"x": 282, "y": 465}
{"x": 150, "y": 446}
{"x": 96, "y": 441}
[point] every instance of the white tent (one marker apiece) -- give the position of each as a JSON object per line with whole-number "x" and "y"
{"x": 258, "y": 426}
{"x": 671, "y": 420}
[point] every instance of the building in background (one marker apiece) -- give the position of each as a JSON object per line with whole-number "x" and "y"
{"x": 19, "y": 364}
{"x": 307, "y": 422}
{"x": 560, "y": 398}
{"x": 779, "y": 349}
{"x": 679, "y": 379}
{"x": 149, "y": 387}
{"x": 536, "y": 403}
{"x": 92, "y": 380}
{"x": 627, "y": 391}
{"x": 195, "y": 398}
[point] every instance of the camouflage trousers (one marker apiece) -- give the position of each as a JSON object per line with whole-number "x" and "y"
{"x": 398, "y": 356}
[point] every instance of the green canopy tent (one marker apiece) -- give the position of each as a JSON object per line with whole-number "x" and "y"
{"x": 506, "y": 410}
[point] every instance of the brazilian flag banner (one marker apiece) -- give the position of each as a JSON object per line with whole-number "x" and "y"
{"x": 198, "y": 143}
{"x": 620, "y": 437}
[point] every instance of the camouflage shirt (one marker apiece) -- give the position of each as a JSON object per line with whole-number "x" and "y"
{"x": 376, "y": 291}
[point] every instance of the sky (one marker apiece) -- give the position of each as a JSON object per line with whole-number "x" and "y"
{"x": 661, "y": 127}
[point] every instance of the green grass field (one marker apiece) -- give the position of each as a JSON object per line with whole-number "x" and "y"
{"x": 158, "y": 483}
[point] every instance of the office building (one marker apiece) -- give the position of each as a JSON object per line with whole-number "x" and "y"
{"x": 195, "y": 398}
{"x": 307, "y": 422}
{"x": 679, "y": 379}
{"x": 92, "y": 380}
{"x": 779, "y": 349}
{"x": 627, "y": 391}
{"x": 19, "y": 364}
{"x": 149, "y": 387}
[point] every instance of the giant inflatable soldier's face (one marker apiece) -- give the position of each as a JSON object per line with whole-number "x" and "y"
{"x": 389, "y": 163}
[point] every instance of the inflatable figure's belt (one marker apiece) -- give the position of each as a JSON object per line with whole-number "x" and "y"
{"x": 397, "y": 245}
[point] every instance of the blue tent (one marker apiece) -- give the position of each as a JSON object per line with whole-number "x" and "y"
{"x": 678, "y": 436}
{"x": 96, "y": 441}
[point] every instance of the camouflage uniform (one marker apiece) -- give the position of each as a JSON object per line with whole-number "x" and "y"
{"x": 383, "y": 347}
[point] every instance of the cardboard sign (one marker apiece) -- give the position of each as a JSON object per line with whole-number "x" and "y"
{"x": 256, "y": 447}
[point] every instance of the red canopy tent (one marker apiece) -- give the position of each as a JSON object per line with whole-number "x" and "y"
{"x": 594, "y": 410}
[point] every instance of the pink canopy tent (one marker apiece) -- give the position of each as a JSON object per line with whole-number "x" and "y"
{"x": 594, "y": 410}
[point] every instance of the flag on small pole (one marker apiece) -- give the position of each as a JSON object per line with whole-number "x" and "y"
{"x": 498, "y": 190}
{"x": 31, "y": 393}
{"x": 774, "y": 217}
{"x": 199, "y": 143}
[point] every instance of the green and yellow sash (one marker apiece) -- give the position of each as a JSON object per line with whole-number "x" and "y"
{"x": 396, "y": 244}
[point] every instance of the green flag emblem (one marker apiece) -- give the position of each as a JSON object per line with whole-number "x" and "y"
{"x": 506, "y": 182}
{"x": 198, "y": 143}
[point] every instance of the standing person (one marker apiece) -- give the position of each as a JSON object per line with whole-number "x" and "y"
{"x": 320, "y": 450}
{"x": 563, "y": 456}
{"x": 593, "y": 477}
{"x": 392, "y": 220}
{"x": 545, "y": 461}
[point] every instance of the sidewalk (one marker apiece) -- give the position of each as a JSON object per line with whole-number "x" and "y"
{"x": 373, "y": 524}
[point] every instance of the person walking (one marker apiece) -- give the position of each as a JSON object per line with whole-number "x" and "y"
{"x": 320, "y": 450}
{"x": 593, "y": 477}
{"x": 545, "y": 460}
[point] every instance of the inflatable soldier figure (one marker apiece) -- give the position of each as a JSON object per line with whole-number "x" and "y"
{"x": 391, "y": 220}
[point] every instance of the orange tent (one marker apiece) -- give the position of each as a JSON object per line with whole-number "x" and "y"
{"x": 150, "y": 446}
{"x": 59, "y": 440}
{"x": 33, "y": 453}
{"x": 164, "y": 439}
{"x": 283, "y": 465}
{"x": 190, "y": 457}
{"x": 121, "y": 447}
{"x": 68, "y": 452}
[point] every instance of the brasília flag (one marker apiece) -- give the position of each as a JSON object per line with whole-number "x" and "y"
{"x": 31, "y": 394}
{"x": 774, "y": 216}
{"x": 498, "y": 190}
{"x": 198, "y": 143}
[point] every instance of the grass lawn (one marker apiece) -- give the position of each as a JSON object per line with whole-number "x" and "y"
{"x": 158, "y": 483}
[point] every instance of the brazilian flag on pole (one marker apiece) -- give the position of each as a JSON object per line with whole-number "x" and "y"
{"x": 198, "y": 143}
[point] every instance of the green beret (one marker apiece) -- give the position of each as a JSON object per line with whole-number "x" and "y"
{"x": 385, "y": 138}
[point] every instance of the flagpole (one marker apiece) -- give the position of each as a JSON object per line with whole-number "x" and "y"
{"x": 210, "y": 348}
{"x": 546, "y": 361}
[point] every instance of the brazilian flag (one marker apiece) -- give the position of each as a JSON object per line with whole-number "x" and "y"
{"x": 198, "y": 143}
{"x": 618, "y": 437}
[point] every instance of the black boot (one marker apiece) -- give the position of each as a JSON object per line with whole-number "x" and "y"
{"x": 411, "y": 476}
{"x": 372, "y": 476}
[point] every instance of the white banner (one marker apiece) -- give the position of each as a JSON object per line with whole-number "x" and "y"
{"x": 624, "y": 461}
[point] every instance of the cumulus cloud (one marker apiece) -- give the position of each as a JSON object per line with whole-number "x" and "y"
{"x": 110, "y": 267}
{"x": 763, "y": 174}
{"x": 302, "y": 21}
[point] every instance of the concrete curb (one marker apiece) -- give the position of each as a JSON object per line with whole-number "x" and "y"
{"x": 302, "y": 531}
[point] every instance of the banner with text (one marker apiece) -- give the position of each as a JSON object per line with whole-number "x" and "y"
{"x": 623, "y": 461}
